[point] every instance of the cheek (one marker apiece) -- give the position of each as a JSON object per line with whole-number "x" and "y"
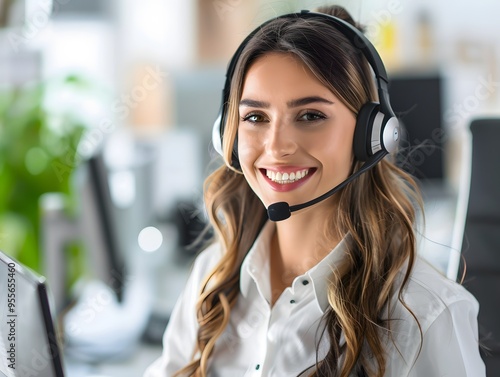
{"x": 340, "y": 152}
{"x": 247, "y": 149}
{"x": 337, "y": 152}
{"x": 248, "y": 154}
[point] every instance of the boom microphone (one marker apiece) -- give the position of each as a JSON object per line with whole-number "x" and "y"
{"x": 282, "y": 210}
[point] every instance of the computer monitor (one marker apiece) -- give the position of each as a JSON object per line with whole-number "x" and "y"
{"x": 100, "y": 226}
{"x": 416, "y": 99}
{"x": 93, "y": 225}
{"x": 28, "y": 343}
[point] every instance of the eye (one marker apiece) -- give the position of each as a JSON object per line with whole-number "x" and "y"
{"x": 253, "y": 118}
{"x": 311, "y": 116}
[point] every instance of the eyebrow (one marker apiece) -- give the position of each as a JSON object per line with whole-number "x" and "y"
{"x": 293, "y": 103}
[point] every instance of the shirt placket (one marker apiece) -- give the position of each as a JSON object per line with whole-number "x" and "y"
{"x": 278, "y": 322}
{"x": 261, "y": 347}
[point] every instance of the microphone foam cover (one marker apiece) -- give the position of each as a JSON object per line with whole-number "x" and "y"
{"x": 278, "y": 211}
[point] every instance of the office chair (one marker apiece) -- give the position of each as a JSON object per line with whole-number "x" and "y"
{"x": 481, "y": 239}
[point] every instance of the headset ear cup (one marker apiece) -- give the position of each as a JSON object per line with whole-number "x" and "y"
{"x": 216, "y": 135}
{"x": 363, "y": 131}
{"x": 217, "y": 139}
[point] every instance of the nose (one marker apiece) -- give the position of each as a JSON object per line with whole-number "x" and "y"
{"x": 280, "y": 140}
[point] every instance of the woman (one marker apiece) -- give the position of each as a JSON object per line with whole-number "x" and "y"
{"x": 336, "y": 289}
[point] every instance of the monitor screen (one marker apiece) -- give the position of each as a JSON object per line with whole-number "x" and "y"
{"x": 417, "y": 101}
{"x": 28, "y": 343}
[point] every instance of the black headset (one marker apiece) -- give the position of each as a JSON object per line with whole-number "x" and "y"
{"x": 377, "y": 128}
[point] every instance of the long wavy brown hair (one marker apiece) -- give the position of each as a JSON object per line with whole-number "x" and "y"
{"x": 377, "y": 210}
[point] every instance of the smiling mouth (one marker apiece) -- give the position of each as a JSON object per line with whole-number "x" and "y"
{"x": 286, "y": 178}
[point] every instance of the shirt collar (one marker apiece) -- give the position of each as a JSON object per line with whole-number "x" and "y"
{"x": 255, "y": 267}
{"x": 320, "y": 273}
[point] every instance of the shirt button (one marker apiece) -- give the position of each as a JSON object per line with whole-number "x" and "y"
{"x": 257, "y": 367}
{"x": 305, "y": 282}
{"x": 292, "y": 301}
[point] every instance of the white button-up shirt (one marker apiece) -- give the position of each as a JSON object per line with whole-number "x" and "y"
{"x": 282, "y": 340}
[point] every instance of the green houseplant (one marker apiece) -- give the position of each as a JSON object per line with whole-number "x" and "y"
{"x": 38, "y": 151}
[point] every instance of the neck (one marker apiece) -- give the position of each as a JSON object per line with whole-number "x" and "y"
{"x": 298, "y": 244}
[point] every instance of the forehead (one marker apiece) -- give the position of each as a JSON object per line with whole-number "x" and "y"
{"x": 279, "y": 74}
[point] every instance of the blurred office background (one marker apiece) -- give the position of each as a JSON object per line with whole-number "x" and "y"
{"x": 106, "y": 113}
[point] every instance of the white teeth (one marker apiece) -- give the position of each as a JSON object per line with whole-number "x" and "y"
{"x": 285, "y": 178}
